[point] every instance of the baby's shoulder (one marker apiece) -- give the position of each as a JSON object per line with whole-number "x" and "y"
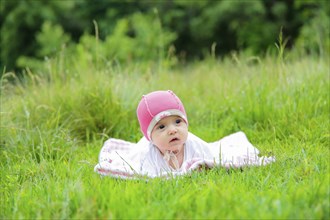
{"x": 194, "y": 140}
{"x": 196, "y": 147}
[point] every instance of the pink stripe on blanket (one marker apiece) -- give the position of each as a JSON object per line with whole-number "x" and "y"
{"x": 113, "y": 148}
{"x": 115, "y": 144}
{"x": 120, "y": 142}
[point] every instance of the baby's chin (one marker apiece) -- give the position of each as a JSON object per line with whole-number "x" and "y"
{"x": 175, "y": 149}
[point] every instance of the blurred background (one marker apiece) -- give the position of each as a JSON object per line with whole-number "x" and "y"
{"x": 175, "y": 31}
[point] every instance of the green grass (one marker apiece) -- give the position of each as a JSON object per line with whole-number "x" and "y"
{"x": 53, "y": 126}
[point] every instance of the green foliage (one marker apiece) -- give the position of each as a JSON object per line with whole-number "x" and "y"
{"x": 50, "y": 41}
{"x": 182, "y": 28}
{"x": 139, "y": 38}
{"x": 20, "y": 22}
{"x": 314, "y": 35}
{"x": 244, "y": 20}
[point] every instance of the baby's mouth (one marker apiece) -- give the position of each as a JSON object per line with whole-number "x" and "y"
{"x": 174, "y": 139}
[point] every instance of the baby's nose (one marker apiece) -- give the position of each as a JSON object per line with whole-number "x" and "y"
{"x": 172, "y": 130}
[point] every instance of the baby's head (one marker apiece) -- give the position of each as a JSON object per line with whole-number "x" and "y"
{"x": 163, "y": 119}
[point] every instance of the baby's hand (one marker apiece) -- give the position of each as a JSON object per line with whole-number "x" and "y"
{"x": 171, "y": 159}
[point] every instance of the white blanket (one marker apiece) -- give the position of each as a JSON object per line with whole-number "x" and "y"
{"x": 122, "y": 159}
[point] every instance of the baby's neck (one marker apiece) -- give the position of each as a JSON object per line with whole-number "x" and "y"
{"x": 180, "y": 157}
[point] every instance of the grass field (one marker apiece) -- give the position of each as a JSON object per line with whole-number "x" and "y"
{"x": 54, "y": 124}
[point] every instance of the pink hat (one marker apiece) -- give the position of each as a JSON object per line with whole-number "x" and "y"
{"x": 155, "y": 106}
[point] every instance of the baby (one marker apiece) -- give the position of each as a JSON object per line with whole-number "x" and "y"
{"x": 168, "y": 148}
{"x": 164, "y": 123}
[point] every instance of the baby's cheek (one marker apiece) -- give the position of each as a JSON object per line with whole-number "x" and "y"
{"x": 185, "y": 136}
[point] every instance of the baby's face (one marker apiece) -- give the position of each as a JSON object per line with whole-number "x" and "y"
{"x": 170, "y": 133}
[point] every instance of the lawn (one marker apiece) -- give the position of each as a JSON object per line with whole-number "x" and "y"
{"x": 53, "y": 126}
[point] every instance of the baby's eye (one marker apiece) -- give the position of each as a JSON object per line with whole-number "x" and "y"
{"x": 178, "y": 121}
{"x": 161, "y": 127}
